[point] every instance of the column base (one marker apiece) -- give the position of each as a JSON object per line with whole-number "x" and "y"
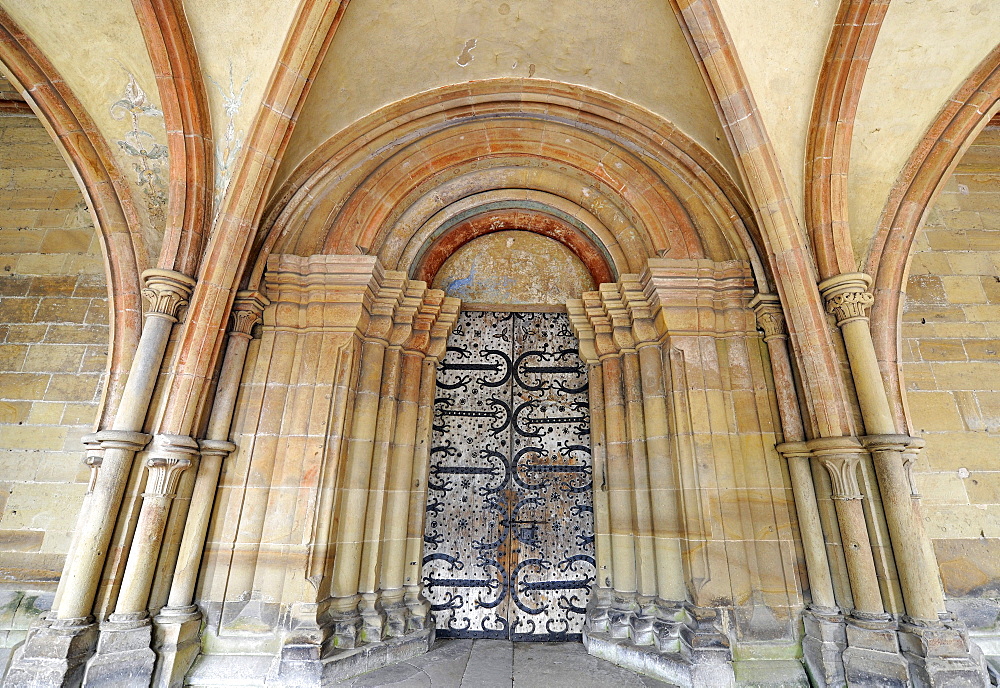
{"x": 124, "y": 655}
{"x": 373, "y": 618}
{"x": 823, "y": 646}
{"x": 54, "y": 654}
{"x": 176, "y": 638}
{"x": 345, "y": 623}
{"x": 418, "y": 610}
{"x": 702, "y": 656}
{"x": 941, "y": 655}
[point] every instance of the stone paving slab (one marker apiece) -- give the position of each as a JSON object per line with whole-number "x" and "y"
{"x": 503, "y": 664}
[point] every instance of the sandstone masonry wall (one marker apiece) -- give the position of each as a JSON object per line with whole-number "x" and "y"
{"x": 951, "y": 364}
{"x": 53, "y": 353}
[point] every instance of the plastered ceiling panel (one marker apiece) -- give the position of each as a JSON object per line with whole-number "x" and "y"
{"x": 238, "y": 44}
{"x": 924, "y": 52}
{"x": 781, "y": 44}
{"x": 110, "y": 73}
{"x": 387, "y": 50}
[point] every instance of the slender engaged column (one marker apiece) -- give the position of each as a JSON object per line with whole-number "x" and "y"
{"x": 621, "y": 520}
{"x": 840, "y": 456}
{"x": 358, "y": 464}
{"x": 597, "y": 611}
{"x": 418, "y": 608}
{"x": 214, "y": 449}
{"x": 169, "y": 456}
{"x": 771, "y": 320}
{"x": 165, "y": 293}
{"x": 848, "y": 298}
{"x": 372, "y": 610}
{"x": 401, "y": 468}
{"x": 663, "y": 480}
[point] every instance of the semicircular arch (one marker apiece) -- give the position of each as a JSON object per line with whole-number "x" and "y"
{"x": 637, "y": 186}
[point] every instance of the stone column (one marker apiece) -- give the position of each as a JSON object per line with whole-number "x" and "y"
{"x": 124, "y": 649}
{"x": 624, "y": 579}
{"x": 841, "y": 456}
{"x": 848, "y": 298}
{"x": 600, "y": 601}
{"x": 372, "y": 612}
{"x": 57, "y": 657}
{"x": 177, "y": 625}
{"x": 772, "y": 321}
{"x": 360, "y": 444}
{"x": 825, "y": 637}
{"x": 635, "y": 424}
{"x": 664, "y": 483}
{"x": 401, "y": 467}
{"x": 418, "y": 609}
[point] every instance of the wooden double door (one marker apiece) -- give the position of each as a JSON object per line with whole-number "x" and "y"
{"x": 509, "y": 541}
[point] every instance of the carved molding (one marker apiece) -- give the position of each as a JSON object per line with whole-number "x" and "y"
{"x": 847, "y": 296}
{"x": 840, "y": 456}
{"x": 248, "y": 308}
{"x": 166, "y": 293}
{"x": 169, "y": 456}
{"x": 770, "y": 316}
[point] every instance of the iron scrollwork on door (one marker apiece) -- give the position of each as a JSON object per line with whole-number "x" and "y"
{"x": 509, "y": 539}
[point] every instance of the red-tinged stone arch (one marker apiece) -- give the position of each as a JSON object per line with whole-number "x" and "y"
{"x": 611, "y": 181}
{"x": 831, "y": 128}
{"x": 929, "y": 167}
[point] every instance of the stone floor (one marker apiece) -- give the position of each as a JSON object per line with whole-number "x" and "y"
{"x": 496, "y": 663}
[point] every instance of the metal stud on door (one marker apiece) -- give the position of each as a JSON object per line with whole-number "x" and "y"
{"x": 509, "y": 541}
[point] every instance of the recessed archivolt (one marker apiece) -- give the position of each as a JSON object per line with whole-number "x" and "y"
{"x": 629, "y": 180}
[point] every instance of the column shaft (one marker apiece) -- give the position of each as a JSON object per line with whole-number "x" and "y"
{"x": 401, "y": 471}
{"x": 663, "y": 483}
{"x": 623, "y": 563}
{"x": 357, "y": 473}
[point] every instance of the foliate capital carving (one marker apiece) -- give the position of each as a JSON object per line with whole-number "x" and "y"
{"x": 770, "y": 316}
{"x": 169, "y": 456}
{"x": 164, "y": 474}
{"x": 840, "y": 456}
{"x": 247, "y": 311}
{"x": 847, "y": 296}
{"x": 165, "y": 293}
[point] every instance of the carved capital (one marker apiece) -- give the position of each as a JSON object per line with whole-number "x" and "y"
{"x": 909, "y": 459}
{"x": 94, "y": 457}
{"x": 165, "y": 293}
{"x": 169, "y": 456}
{"x": 247, "y": 311}
{"x": 840, "y": 456}
{"x": 847, "y": 296}
{"x": 770, "y": 316}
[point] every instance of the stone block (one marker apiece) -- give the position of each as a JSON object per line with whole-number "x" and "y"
{"x": 64, "y": 309}
{"x": 79, "y": 387}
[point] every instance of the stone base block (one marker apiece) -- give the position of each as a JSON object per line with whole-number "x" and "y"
{"x": 177, "y": 643}
{"x": 124, "y": 656}
{"x": 822, "y": 648}
{"x": 53, "y": 655}
{"x": 875, "y": 669}
{"x": 302, "y": 666}
{"x": 770, "y": 673}
{"x": 942, "y": 656}
{"x": 698, "y": 669}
